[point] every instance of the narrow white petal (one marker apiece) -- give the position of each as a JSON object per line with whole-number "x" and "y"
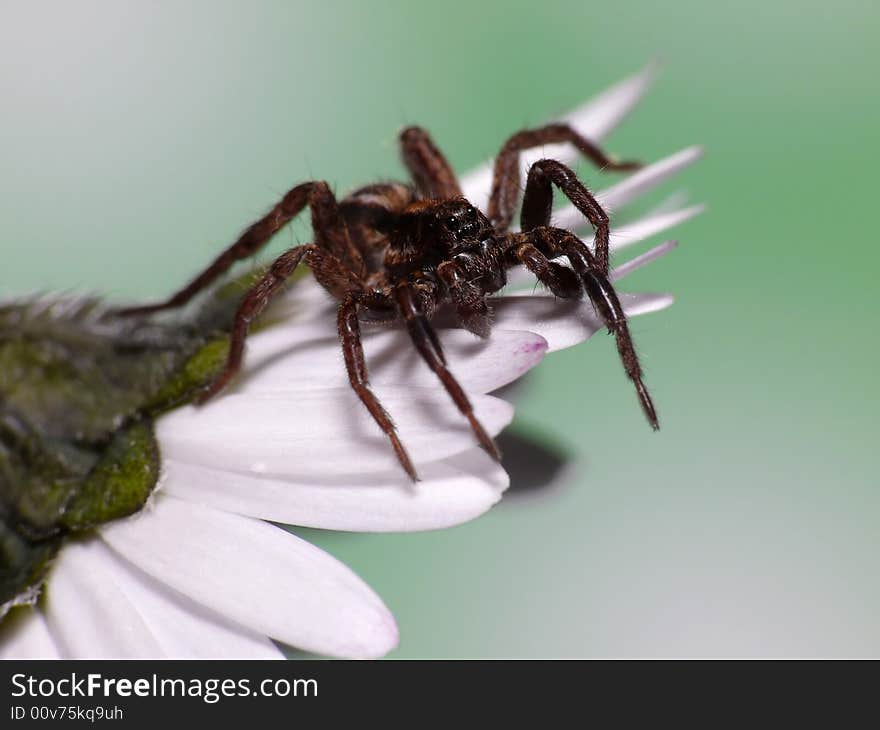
{"x": 626, "y": 235}
{"x": 25, "y": 635}
{"x": 647, "y": 178}
{"x": 88, "y": 614}
{"x": 594, "y": 119}
{"x": 674, "y": 201}
{"x": 320, "y": 432}
{"x": 650, "y": 255}
{"x": 564, "y": 323}
{"x": 678, "y": 199}
{"x": 257, "y": 575}
{"x": 597, "y": 118}
{"x": 477, "y": 185}
{"x": 183, "y": 628}
{"x": 449, "y": 493}
{"x": 281, "y": 359}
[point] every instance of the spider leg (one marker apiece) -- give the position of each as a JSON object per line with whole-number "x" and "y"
{"x": 327, "y": 223}
{"x": 327, "y": 269}
{"x": 561, "y": 280}
{"x": 506, "y": 176}
{"x": 537, "y": 204}
{"x": 426, "y": 342}
{"x": 555, "y": 242}
{"x": 430, "y": 171}
{"x": 355, "y": 364}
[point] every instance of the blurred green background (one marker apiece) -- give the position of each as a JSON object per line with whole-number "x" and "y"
{"x": 136, "y": 138}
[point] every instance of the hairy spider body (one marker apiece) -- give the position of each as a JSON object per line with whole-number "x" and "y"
{"x": 396, "y": 252}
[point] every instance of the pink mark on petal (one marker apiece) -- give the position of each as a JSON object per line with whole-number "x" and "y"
{"x": 536, "y": 345}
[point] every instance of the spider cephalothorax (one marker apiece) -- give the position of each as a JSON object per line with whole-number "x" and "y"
{"x": 399, "y": 252}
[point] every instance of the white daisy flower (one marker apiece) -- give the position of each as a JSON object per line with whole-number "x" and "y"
{"x": 199, "y": 572}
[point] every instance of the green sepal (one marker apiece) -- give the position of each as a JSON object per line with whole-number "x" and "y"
{"x": 193, "y": 376}
{"x": 120, "y": 483}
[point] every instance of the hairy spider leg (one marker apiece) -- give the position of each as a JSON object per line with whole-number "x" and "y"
{"x": 428, "y": 345}
{"x": 592, "y": 269}
{"x": 504, "y": 196}
{"x": 554, "y": 242}
{"x": 431, "y": 172}
{"x": 537, "y": 204}
{"x": 561, "y": 280}
{"x": 328, "y": 270}
{"x": 355, "y": 363}
{"x": 329, "y": 230}
{"x": 332, "y": 274}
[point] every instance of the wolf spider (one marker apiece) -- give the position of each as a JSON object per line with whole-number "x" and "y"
{"x": 395, "y": 251}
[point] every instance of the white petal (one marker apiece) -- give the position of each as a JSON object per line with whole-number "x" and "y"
{"x": 183, "y": 628}
{"x": 597, "y": 118}
{"x": 631, "y": 233}
{"x": 257, "y": 575}
{"x": 449, "y": 493}
{"x": 25, "y": 635}
{"x": 641, "y": 181}
{"x": 678, "y": 199}
{"x": 594, "y": 120}
{"x": 283, "y": 358}
{"x": 564, "y": 323}
{"x": 88, "y": 614}
{"x": 321, "y": 432}
{"x": 641, "y": 260}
